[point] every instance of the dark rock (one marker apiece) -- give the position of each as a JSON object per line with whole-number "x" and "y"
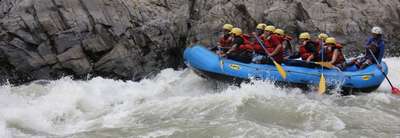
{"x": 47, "y": 53}
{"x": 3, "y": 56}
{"x": 119, "y": 61}
{"x": 65, "y": 41}
{"x": 42, "y": 74}
{"x": 48, "y": 17}
{"x": 96, "y": 44}
{"x": 20, "y": 57}
{"x": 75, "y": 59}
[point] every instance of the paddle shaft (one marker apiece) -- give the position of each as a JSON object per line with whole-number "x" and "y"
{"x": 322, "y": 85}
{"x": 322, "y": 53}
{"x": 377, "y": 62}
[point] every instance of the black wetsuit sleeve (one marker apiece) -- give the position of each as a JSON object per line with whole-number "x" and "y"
{"x": 310, "y": 46}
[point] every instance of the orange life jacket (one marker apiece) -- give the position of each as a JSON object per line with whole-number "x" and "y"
{"x": 329, "y": 54}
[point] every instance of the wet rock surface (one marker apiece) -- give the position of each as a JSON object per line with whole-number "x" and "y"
{"x": 130, "y": 39}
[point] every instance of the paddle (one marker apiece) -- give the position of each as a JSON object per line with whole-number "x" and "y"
{"x": 322, "y": 81}
{"x": 221, "y": 61}
{"x": 280, "y": 69}
{"x": 325, "y": 64}
{"x": 395, "y": 90}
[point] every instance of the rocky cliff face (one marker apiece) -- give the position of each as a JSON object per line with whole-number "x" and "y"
{"x": 130, "y": 39}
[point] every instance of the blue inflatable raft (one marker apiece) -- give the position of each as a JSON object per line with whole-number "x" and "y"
{"x": 207, "y": 64}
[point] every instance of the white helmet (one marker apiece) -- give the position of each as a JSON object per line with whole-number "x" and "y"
{"x": 377, "y": 30}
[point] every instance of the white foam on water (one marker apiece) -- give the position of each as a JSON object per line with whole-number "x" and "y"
{"x": 181, "y": 104}
{"x": 4, "y": 132}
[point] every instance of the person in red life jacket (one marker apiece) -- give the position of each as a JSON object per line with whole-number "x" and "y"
{"x": 308, "y": 49}
{"x": 275, "y": 49}
{"x": 260, "y": 29}
{"x": 241, "y": 50}
{"x": 321, "y": 42}
{"x": 226, "y": 40}
{"x": 268, "y": 31}
{"x": 285, "y": 41}
{"x": 270, "y": 42}
{"x": 333, "y": 54}
{"x": 259, "y": 52}
{"x": 260, "y": 34}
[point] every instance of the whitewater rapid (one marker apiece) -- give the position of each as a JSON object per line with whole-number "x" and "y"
{"x": 181, "y": 104}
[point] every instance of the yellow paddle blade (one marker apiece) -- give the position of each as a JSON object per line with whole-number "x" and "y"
{"x": 322, "y": 85}
{"x": 221, "y": 64}
{"x": 325, "y": 64}
{"x": 280, "y": 70}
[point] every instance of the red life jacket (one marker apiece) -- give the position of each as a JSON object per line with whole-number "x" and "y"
{"x": 267, "y": 43}
{"x": 256, "y": 45}
{"x": 304, "y": 53}
{"x": 225, "y": 41}
{"x": 247, "y": 45}
{"x": 329, "y": 54}
{"x": 272, "y": 42}
{"x": 280, "y": 38}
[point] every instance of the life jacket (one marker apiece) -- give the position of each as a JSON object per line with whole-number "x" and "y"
{"x": 272, "y": 43}
{"x": 306, "y": 52}
{"x": 329, "y": 54}
{"x": 265, "y": 40}
{"x": 369, "y": 56}
{"x": 247, "y": 45}
{"x": 268, "y": 45}
{"x": 287, "y": 47}
{"x": 256, "y": 45}
{"x": 225, "y": 41}
{"x": 375, "y": 48}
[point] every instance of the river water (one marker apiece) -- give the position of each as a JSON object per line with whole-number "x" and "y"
{"x": 181, "y": 104}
